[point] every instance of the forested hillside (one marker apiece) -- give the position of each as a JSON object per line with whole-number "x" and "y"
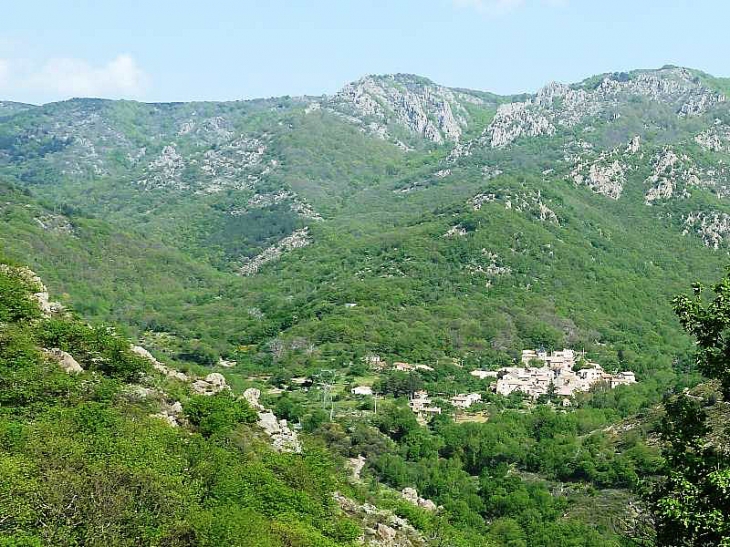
{"x": 303, "y": 246}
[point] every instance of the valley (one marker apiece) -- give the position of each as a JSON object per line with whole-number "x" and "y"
{"x": 400, "y": 315}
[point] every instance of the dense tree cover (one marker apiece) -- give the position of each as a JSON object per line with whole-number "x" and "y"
{"x": 82, "y": 463}
{"x": 596, "y": 279}
{"x": 500, "y": 477}
{"x": 691, "y": 504}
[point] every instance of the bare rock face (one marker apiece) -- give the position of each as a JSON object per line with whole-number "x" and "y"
{"x": 296, "y": 204}
{"x": 252, "y": 398}
{"x": 662, "y": 178}
{"x": 456, "y": 231}
{"x": 283, "y": 438}
{"x": 59, "y": 224}
{"x": 712, "y": 227}
{"x": 386, "y": 534}
{"x": 528, "y": 202}
{"x": 68, "y": 363}
{"x": 674, "y": 175}
{"x": 715, "y": 139}
{"x": 382, "y": 528}
{"x": 296, "y": 240}
{"x": 559, "y": 105}
{"x": 212, "y": 384}
{"x": 604, "y": 173}
{"x": 633, "y": 146}
{"x": 603, "y": 178}
{"x": 159, "y": 367}
{"x": 356, "y": 465}
{"x": 165, "y": 170}
{"x": 514, "y": 120}
{"x": 411, "y": 496}
{"x": 432, "y": 111}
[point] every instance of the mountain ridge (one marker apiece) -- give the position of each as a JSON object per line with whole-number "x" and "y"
{"x": 225, "y": 184}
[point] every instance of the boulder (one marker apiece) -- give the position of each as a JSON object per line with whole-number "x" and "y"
{"x": 68, "y": 363}
{"x": 252, "y": 398}
{"x": 213, "y": 383}
{"x": 159, "y": 367}
{"x": 172, "y": 414}
{"x": 411, "y": 496}
{"x": 386, "y": 533}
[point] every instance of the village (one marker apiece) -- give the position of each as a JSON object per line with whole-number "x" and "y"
{"x": 558, "y": 375}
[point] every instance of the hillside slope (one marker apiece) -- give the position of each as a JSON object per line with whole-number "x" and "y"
{"x": 398, "y": 217}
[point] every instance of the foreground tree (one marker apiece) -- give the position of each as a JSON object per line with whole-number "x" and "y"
{"x": 691, "y": 504}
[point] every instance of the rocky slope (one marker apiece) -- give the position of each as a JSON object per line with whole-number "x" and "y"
{"x": 382, "y": 104}
{"x": 396, "y": 194}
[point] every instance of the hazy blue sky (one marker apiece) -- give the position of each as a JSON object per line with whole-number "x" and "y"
{"x": 162, "y": 50}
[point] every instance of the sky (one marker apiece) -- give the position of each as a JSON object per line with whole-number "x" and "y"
{"x": 181, "y": 50}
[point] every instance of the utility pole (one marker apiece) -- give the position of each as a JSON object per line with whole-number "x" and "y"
{"x": 326, "y": 379}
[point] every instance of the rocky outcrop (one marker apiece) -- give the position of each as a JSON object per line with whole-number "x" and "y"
{"x": 238, "y": 164}
{"x": 515, "y": 120}
{"x": 165, "y": 170}
{"x": 431, "y": 111}
{"x": 382, "y": 528}
{"x": 296, "y": 240}
{"x": 712, "y": 227}
{"x": 715, "y": 139}
{"x": 172, "y": 414}
{"x": 606, "y": 178}
{"x": 40, "y": 293}
{"x": 212, "y": 384}
{"x": 411, "y": 496}
{"x": 159, "y": 367}
{"x": 65, "y": 360}
{"x": 51, "y": 222}
{"x": 213, "y": 130}
{"x": 296, "y": 204}
{"x": 488, "y": 264}
{"x": 674, "y": 175}
{"x": 356, "y": 465}
{"x": 531, "y": 203}
{"x": 559, "y": 105}
{"x": 455, "y": 231}
{"x": 283, "y": 438}
{"x": 604, "y": 173}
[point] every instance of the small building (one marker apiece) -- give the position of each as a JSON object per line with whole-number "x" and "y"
{"x": 419, "y": 401}
{"x": 403, "y": 367}
{"x": 465, "y": 401}
{"x": 362, "y": 390}
{"x": 482, "y": 374}
{"x": 623, "y": 379}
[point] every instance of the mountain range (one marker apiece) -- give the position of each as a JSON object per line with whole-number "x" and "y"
{"x": 207, "y": 254}
{"x": 397, "y": 217}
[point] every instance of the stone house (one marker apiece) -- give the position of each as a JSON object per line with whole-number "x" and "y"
{"x": 465, "y": 401}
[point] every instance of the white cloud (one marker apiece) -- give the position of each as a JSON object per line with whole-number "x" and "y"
{"x": 500, "y": 7}
{"x": 64, "y": 77}
{"x": 75, "y": 77}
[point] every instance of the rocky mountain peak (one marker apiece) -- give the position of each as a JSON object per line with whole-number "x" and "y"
{"x": 382, "y": 104}
{"x": 604, "y": 97}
